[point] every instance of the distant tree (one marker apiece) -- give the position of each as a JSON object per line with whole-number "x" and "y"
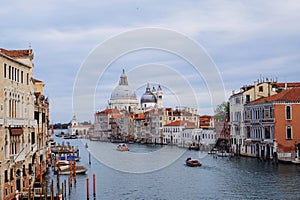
{"x": 222, "y": 111}
{"x": 61, "y": 126}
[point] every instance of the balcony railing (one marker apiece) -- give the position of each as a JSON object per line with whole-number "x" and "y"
{"x": 17, "y": 122}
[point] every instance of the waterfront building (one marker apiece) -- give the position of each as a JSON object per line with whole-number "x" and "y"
{"x": 140, "y": 127}
{"x": 42, "y": 120}
{"x": 272, "y": 125}
{"x": 184, "y": 113}
{"x": 152, "y": 99}
{"x": 206, "y": 122}
{"x": 24, "y": 121}
{"x": 123, "y": 120}
{"x": 123, "y": 96}
{"x": 237, "y": 101}
{"x": 106, "y": 124}
{"x": 172, "y": 131}
{"x": 155, "y": 123}
{"x": 80, "y": 129}
{"x": 187, "y": 134}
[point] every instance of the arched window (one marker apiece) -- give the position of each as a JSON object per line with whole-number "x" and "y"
{"x": 288, "y": 112}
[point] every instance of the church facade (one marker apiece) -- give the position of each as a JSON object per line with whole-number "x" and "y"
{"x": 123, "y": 96}
{"x": 127, "y": 119}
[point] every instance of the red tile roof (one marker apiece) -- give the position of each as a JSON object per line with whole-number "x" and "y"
{"x": 289, "y": 95}
{"x": 16, "y": 53}
{"x": 139, "y": 116}
{"x": 292, "y": 84}
{"x": 184, "y": 123}
{"x": 37, "y": 81}
{"x": 106, "y": 111}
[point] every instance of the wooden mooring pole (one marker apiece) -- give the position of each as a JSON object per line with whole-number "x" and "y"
{"x": 90, "y": 159}
{"x": 94, "y": 185}
{"x": 87, "y": 189}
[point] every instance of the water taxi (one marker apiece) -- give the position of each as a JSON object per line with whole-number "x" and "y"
{"x": 192, "y": 162}
{"x": 122, "y": 147}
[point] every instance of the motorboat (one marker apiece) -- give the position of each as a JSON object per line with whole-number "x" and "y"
{"x": 192, "y": 162}
{"x": 64, "y": 170}
{"x": 71, "y": 157}
{"x": 62, "y": 162}
{"x": 122, "y": 147}
{"x": 223, "y": 153}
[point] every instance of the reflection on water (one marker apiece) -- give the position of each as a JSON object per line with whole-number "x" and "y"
{"x": 221, "y": 178}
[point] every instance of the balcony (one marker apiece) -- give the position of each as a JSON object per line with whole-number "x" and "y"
{"x": 17, "y": 122}
{"x": 43, "y": 150}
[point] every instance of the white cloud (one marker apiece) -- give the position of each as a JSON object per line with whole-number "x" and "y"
{"x": 244, "y": 38}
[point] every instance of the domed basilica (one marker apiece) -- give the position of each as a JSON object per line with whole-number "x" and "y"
{"x": 123, "y": 97}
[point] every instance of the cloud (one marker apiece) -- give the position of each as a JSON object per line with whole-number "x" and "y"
{"x": 243, "y": 38}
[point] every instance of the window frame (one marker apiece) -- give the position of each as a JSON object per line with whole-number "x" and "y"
{"x": 288, "y": 112}
{"x": 289, "y": 127}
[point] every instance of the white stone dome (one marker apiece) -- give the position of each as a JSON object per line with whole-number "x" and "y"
{"x": 123, "y": 92}
{"x": 123, "y": 96}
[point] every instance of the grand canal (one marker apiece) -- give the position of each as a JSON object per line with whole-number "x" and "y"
{"x": 218, "y": 178}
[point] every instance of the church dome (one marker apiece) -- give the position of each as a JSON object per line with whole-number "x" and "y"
{"x": 123, "y": 91}
{"x": 148, "y": 96}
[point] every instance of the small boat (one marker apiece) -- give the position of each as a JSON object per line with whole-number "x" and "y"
{"x": 192, "y": 162}
{"x": 122, "y": 147}
{"x": 63, "y": 170}
{"x": 62, "y": 162}
{"x": 223, "y": 153}
{"x": 70, "y": 137}
{"x": 71, "y": 157}
{"x": 296, "y": 161}
{"x": 193, "y": 147}
{"x": 60, "y": 134}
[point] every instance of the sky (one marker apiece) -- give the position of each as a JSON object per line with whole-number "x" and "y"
{"x": 239, "y": 42}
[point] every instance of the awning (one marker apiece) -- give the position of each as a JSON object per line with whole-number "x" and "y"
{"x": 16, "y": 131}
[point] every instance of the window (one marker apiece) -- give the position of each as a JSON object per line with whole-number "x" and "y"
{"x": 32, "y": 137}
{"x": 12, "y": 73}
{"x": 260, "y": 89}
{"x": 43, "y": 117}
{"x": 24, "y": 171}
{"x": 22, "y": 77}
{"x": 267, "y": 132}
{"x": 248, "y": 131}
{"x": 289, "y": 132}
{"x": 9, "y": 72}
{"x": 4, "y": 70}
{"x": 288, "y": 113}
{"x": 27, "y": 77}
{"x": 36, "y": 116}
{"x": 5, "y": 176}
{"x": 11, "y": 174}
{"x": 18, "y": 75}
{"x": 247, "y": 98}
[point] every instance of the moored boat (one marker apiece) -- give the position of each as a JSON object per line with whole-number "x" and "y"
{"x": 62, "y": 162}
{"x": 64, "y": 170}
{"x": 296, "y": 161}
{"x": 122, "y": 147}
{"x": 224, "y": 154}
{"x": 70, "y": 137}
{"x": 71, "y": 157}
{"x": 192, "y": 162}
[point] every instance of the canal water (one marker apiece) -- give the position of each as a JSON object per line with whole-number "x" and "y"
{"x": 217, "y": 178}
